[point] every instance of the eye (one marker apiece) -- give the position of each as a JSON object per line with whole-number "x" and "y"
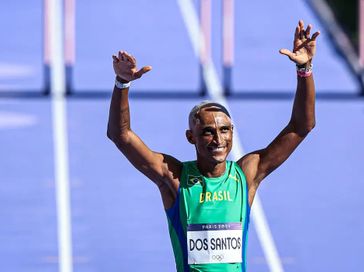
{"x": 225, "y": 129}
{"x": 207, "y": 132}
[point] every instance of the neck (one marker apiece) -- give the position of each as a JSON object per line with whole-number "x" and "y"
{"x": 211, "y": 170}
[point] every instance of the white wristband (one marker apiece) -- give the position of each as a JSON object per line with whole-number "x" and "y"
{"x": 120, "y": 85}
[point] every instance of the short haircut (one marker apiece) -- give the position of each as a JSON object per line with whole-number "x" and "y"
{"x": 194, "y": 113}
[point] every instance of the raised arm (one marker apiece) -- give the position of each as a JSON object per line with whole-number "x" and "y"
{"x": 258, "y": 164}
{"x": 162, "y": 169}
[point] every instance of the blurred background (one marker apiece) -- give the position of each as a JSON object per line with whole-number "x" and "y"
{"x": 70, "y": 201}
{"x": 347, "y": 15}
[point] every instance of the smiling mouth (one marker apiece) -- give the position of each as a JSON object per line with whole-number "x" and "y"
{"x": 217, "y": 148}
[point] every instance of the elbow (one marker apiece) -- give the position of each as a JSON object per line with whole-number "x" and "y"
{"x": 110, "y": 134}
{"x": 310, "y": 126}
{"x": 304, "y": 130}
{"x": 313, "y": 125}
{"x": 119, "y": 139}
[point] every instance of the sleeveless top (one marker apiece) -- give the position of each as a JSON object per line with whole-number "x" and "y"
{"x": 208, "y": 223}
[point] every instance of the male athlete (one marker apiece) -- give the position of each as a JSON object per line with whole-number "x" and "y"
{"x": 207, "y": 201}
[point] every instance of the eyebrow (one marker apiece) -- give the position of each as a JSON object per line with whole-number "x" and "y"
{"x": 212, "y": 126}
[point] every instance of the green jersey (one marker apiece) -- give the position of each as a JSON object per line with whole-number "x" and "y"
{"x": 208, "y": 223}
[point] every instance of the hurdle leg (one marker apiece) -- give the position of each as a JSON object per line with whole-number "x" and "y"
{"x": 69, "y": 41}
{"x": 227, "y": 43}
{"x": 205, "y": 42}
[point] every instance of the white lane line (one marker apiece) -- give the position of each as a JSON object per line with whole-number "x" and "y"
{"x": 215, "y": 90}
{"x": 59, "y": 118}
{"x": 191, "y": 21}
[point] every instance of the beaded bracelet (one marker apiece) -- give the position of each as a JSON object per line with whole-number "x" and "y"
{"x": 304, "y": 71}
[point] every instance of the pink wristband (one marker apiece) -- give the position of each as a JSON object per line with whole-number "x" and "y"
{"x": 304, "y": 74}
{"x": 304, "y": 71}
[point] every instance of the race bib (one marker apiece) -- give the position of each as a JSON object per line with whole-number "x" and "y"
{"x": 214, "y": 243}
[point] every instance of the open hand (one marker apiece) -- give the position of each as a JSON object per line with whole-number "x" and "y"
{"x": 125, "y": 67}
{"x": 304, "y": 45}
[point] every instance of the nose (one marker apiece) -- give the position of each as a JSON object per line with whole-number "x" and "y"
{"x": 217, "y": 137}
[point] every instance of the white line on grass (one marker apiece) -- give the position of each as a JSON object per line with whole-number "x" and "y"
{"x": 59, "y": 118}
{"x": 215, "y": 90}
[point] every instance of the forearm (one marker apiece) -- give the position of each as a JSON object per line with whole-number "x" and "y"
{"x": 119, "y": 115}
{"x": 303, "y": 112}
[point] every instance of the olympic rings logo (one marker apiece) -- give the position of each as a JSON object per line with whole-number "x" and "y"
{"x": 218, "y": 258}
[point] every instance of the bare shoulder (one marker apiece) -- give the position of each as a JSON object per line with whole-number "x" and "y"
{"x": 168, "y": 169}
{"x": 250, "y": 165}
{"x": 172, "y": 168}
{"x": 168, "y": 183}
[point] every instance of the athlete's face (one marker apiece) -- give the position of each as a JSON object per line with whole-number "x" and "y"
{"x": 212, "y": 135}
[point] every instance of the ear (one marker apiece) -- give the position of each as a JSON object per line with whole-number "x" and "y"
{"x": 189, "y": 136}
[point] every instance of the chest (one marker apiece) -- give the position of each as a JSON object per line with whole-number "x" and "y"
{"x": 206, "y": 201}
